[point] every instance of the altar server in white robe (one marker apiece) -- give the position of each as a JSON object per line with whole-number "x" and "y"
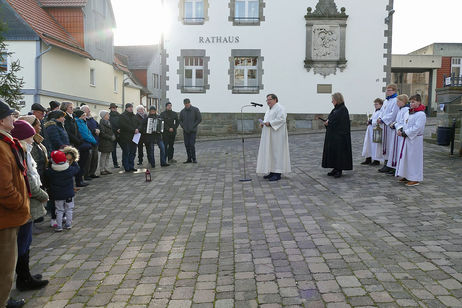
{"x": 388, "y": 116}
{"x": 273, "y": 153}
{"x": 373, "y": 151}
{"x": 401, "y": 117}
{"x": 410, "y": 164}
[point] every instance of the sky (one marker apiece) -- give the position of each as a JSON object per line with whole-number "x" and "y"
{"x": 416, "y": 23}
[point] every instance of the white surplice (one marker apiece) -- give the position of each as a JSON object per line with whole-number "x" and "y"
{"x": 370, "y": 148}
{"x": 401, "y": 118}
{"x": 410, "y": 165}
{"x": 389, "y": 111}
{"x": 273, "y": 153}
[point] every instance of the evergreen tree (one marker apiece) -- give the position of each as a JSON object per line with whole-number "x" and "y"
{"x": 10, "y": 83}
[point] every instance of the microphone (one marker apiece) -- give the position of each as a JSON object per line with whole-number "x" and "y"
{"x": 256, "y": 104}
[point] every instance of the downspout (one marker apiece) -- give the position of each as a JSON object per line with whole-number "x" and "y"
{"x": 38, "y": 70}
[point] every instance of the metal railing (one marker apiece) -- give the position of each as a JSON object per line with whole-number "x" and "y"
{"x": 452, "y": 80}
{"x": 193, "y": 21}
{"x": 246, "y": 20}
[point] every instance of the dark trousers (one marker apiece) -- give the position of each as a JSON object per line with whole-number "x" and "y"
{"x": 169, "y": 141}
{"x": 150, "y": 152}
{"x": 114, "y": 152}
{"x": 24, "y": 238}
{"x": 189, "y": 143}
{"x": 83, "y": 161}
{"x": 92, "y": 164}
{"x": 128, "y": 155}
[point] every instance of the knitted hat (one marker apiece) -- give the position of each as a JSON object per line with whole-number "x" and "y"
{"x": 103, "y": 113}
{"x": 78, "y": 113}
{"x": 152, "y": 108}
{"x": 28, "y": 118}
{"x": 59, "y": 161}
{"x": 22, "y": 130}
{"x": 128, "y": 105}
{"x": 54, "y": 104}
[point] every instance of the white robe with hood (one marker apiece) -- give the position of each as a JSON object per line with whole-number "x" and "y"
{"x": 273, "y": 153}
{"x": 410, "y": 165}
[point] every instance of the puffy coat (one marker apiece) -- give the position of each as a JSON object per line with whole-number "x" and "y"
{"x": 85, "y": 132}
{"x": 56, "y": 135}
{"x": 106, "y": 137}
{"x": 61, "y": 182}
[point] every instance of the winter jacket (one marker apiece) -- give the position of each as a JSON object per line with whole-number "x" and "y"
{"x": 114, "y": 118}
{"x": 190, "y": 119}
{"x": 39, "y": 153}
{"x": 127, "y": 124}
{"x": 149, "y": 138}
{"x": 14, "y": 197}
{"x": 60, "y": 179}
{"x": 92, "y": 126}
{"x": 85, "y": 132}
{"x": 56, "y": 135}
{"x": 72, "y": 131}
{"x": 106, "y": 136}
{"x": 170, "y": 118}
{"x": 38, "y": 196}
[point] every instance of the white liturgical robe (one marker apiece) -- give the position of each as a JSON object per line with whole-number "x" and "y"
{"x": 371, "y": 149}
{"x": 273, "y": 153}
{"x": 410, "y": 165}
{"x": 389, "y": 111}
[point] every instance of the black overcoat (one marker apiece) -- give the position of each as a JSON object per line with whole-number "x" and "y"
{"x": 337, "y": 143}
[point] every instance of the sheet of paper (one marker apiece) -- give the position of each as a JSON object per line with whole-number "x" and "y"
{"x": 136, "y": 138}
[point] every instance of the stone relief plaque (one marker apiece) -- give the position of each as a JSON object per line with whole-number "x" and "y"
{"x": 325, "y": 38}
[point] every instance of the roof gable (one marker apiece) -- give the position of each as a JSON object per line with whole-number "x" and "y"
{"x": 16, "y": 27}
{"x": 45, "y": 26}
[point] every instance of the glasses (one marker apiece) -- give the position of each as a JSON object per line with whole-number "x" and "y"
{"x": 269, "y": 99}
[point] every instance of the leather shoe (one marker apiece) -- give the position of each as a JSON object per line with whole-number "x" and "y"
{"x": 269, "y": 175}
{"x": 187, "y": 162}
{"x": 384, "y": 169}
{"x": 94, "y": 176}
{"x": 332, "y": 172}
{"x": 338, "y": 174}
{"x": 116, "y": 166}
{"x": 165, "y": 165}
{"x": 87, "y": 178}
{"x": 275, "y": 177}
{"x": 194, "y": 161}
{"x": 13, "y": 303}
{"x": 82, "y": 184}
{"x": 375, "y": 163}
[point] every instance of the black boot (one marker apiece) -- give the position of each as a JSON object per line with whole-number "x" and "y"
{"x": 25, "y": 281}
{"x": 375, "y": 163}
{"x": 384, "y": 169}
{"x": 15, "y": 303}
{"x": 367, "y": 161}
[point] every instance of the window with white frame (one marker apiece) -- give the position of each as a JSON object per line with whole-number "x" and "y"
{"x": 193, "y": 71}
{"x": 246, "y": 12}
{"x": 155, "y": 81}
{"x": 246, "y": 71}
{"x": 193, "y": 11}
{"x": 92, "y": 76}
{"x": 3, "y": 63}
{"x": 116, "y": 81}
{"x": 456, "y": 66}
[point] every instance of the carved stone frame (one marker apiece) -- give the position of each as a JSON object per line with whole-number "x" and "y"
{"x": 326, "y": 15}
{"x": 180, "y": 71}
{"x": 232, "y": 14}
{"x": 182, "y": 14}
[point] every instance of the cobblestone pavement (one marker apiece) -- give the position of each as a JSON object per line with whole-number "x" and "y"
{"x": 197, "y": 237}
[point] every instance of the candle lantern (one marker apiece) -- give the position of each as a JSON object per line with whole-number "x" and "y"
{"x": 148, "y": 175}
{"x": 377, "y": 134}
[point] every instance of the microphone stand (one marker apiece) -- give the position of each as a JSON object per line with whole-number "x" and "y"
{"x": 245, "y": 179}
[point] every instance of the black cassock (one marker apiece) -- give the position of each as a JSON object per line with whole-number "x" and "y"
{"x": 337, "y": 143}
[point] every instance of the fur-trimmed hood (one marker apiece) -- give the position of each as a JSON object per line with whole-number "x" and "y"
{"x": 73, "y": 151}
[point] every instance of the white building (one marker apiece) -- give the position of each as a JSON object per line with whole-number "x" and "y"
{"x": 225, "y": 54}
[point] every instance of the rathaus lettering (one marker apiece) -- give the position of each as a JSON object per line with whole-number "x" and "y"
{"x": 218, "y": 39}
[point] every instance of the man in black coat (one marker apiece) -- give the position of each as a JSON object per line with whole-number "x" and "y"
{"x": 128, "y": 125}
{"x": 114, "y": 117}
{"x": 153, "y": 138}
{"x": 190, "y": 117}
{"x": 171, "y": 123}
{"x": 337, "y": 143}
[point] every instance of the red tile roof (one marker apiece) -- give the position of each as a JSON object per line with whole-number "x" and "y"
{"x": 49, "y": 30}
{"x": 63, "y": 3}
{"x": 119, "y": 64}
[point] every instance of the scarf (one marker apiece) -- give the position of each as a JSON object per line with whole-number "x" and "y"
{"x": 392, "y": 96}
{"x": 19, "y": 155}
{"x": 414, "y": 110}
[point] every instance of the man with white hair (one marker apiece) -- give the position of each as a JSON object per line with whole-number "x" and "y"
{"x": 93, "y": 126}
{"x": 140, "y": 116}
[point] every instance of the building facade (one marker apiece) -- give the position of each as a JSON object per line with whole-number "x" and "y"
{"x": 223, "y": 55}
{"x": 65, "y": 49}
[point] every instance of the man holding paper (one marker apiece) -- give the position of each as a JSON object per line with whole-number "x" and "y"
{"x": 129, "y": 137}
{"x": 273, "y": 154}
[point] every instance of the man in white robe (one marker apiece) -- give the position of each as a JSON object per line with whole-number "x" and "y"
{"x": 401, "y": 118}
{"x": 410, "y": 164}
{"x": 273, "y": 153}
{"x": 373, "y": 151}
{"x": 388, "y": 116}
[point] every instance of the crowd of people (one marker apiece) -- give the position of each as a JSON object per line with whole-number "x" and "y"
{"x": 47, "y": 155}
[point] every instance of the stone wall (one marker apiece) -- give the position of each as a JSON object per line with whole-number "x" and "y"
{"x": 229, "y": 124}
